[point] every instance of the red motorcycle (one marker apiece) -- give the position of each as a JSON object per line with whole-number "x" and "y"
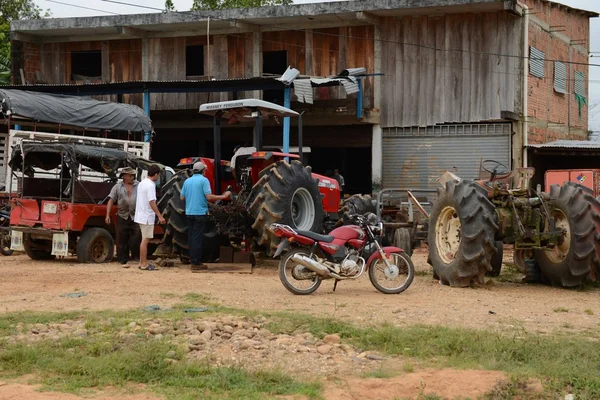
{"x": 341, "y": 255}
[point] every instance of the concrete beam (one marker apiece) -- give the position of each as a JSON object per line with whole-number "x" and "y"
{"x": 133, "y": 32}
{"x": 299, "y": 11}
{"x": 25, "y": 37}
{"x": 368, "y": 17}
{"x": 244, "y": 26}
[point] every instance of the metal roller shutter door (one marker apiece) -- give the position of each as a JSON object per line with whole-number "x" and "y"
{"x": 416, "y": 157}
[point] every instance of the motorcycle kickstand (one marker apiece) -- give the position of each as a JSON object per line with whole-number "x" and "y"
{"x": 335, "y": 284}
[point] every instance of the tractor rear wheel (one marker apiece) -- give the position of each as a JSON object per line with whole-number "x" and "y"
{"x": 358, "y": 204}
{"x": 461, "y": 234}
{"x": 176, "y": 232}
{"x": 286, "y": 193}
{"x": 496, "y": 261}
{"x": 569, "y": 263}
{"x": 595, "y": 203}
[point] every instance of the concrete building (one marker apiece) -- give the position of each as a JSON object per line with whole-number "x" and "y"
{"x": 462, "y": 80}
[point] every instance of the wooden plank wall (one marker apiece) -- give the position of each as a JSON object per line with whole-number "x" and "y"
{"x": 294, "y": 42}
{"x": 125, "y": 64}
{"x": 435, "y": 72}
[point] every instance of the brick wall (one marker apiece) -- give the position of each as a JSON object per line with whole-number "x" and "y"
{"x": 554, "y": 115}
{"x": 32, "y": 62}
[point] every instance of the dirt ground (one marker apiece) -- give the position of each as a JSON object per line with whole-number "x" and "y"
{"x": 500, "y": 305}
{"x": 37, "y": 286}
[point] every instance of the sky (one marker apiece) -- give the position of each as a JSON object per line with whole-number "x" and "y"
{"x": 61, "y": 10}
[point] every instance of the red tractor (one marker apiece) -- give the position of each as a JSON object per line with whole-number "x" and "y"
{"x": 268, "y": 188}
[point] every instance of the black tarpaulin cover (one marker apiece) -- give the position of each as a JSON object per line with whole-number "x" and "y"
{"x": 82, "y": 112}
{"x": 48, "y": 155}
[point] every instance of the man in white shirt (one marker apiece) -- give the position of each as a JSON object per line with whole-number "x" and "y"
{"x": 145, "y": 213}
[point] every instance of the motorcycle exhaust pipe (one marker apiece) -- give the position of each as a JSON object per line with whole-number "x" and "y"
{"x": 313, "y": 265}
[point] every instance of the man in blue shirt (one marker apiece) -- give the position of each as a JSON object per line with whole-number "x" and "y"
{"x": 196, "y": 193}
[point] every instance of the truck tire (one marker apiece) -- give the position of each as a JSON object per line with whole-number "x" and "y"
{"x": 402, "y": 239}
{"x": 37, "y": 249}
{"x": 5, "y": 249}
{"x": 95, "y": 246}
{"x": 357, "y": 204}
{"x": 496, "y": 260}
{"x": 286, "y": 193}
{"x": 176, "y": 231}
{"x": 461, "y": 234}
{"x": 570, "y": 262}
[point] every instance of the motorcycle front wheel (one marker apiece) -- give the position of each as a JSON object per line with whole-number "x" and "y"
{"x": 395, "y": 279}
{"x": 295, "y": 277}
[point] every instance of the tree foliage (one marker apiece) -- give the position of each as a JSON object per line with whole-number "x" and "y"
{"x": 200, "y": 5}
{"x": 169, "y": 6}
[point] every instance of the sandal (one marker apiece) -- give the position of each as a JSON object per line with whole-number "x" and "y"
{"x": 149, "y": 267}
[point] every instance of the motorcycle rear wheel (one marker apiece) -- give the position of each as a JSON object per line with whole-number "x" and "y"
{"x": 290, "y": 274}
{"x": 396, "y": 280}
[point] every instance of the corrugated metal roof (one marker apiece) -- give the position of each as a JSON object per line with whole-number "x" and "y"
{"x": 568, "y": 144}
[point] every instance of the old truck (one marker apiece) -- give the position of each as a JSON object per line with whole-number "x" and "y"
{"x": 58, "y": 184}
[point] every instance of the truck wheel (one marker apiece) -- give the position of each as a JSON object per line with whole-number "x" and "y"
{"x": 286, "y": 194}
{"x": 95, "y": 245}
{"x": 461, "y": 234}
{"x": 569, "y": 263}
{"x": 37, "y": 249}
{"x": 5, "y": 244}
{"x": 496, "y": 261}
{"x": 402, "y": 239}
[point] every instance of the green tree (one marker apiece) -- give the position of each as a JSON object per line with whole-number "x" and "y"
{"x": 12, "y": 10}
{"x": 169, "y": 6}
{"x": 200, "y": 5}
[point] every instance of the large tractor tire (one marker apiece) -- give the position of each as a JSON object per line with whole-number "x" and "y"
{"x": 176, "y": 232}
{"x": 286, "y": 193}
{"x": 358, "y": 204}
{"x": 37, "y": 249}
{"x": 496, "y": 261}
{"x": 403, "y": 240}
{"x": 461, "y": 234}
{"x": 570, "y": 262}
{"x": 595, "y": 203}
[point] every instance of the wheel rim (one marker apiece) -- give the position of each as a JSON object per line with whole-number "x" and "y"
{"x": 303, "y": 209}
{"x": 299, "y": 276}
{"x": 394, "y": 277}
{"x": 447, "y": 234}
{"x": 100, "y": 250}
{"x": 557, "y": 254}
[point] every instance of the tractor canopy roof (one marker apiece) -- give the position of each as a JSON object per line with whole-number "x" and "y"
{"x": 76, "y": 111}
{"x": 245, "y": 107}
{"x": 49, "y": 155}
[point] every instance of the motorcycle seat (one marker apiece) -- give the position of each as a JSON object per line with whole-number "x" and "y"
{"x": 316, "y": 236}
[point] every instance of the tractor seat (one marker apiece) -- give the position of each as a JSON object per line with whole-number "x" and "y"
{"x": 316, "y": 236}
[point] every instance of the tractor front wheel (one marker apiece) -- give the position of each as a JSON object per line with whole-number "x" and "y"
{"x": 569, "y": 263}
{"x": 461, "y": 234}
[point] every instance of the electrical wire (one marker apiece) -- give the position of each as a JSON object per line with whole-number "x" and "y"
{"x": 133, "y": 5}
{"x": 78, "y": 6}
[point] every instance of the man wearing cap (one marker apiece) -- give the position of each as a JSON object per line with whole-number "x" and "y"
{"x": 196, "y": 193}
{"x": 124, "y": 194}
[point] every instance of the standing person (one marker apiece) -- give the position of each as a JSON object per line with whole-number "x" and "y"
{"x": 340, "y": 179}
{"x": 146, "y": 212}
{"x": 196, "y": 193}
{"x": 124, "y": 194}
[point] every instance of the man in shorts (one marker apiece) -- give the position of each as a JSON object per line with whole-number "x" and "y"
{"x": 146, "y": 212}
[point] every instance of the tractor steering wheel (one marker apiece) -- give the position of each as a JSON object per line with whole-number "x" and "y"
{"x": 495, "y": 168}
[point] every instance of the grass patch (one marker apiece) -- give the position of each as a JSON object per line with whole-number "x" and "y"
{"x": 424, "y": 272}
{"x": 588, "y": 311}
{"x": 168, "y": 295}
{"x": 561, "y": 309}
{"x": 565, "y": 364}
